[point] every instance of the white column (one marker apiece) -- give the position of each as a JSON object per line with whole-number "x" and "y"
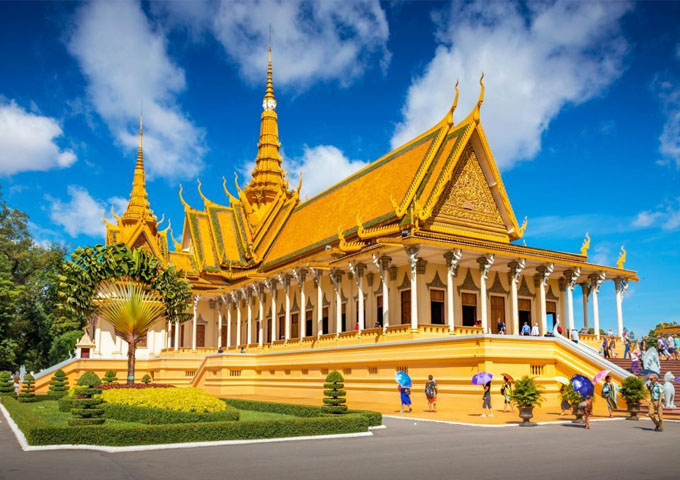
{"x": 585, "y": 291}
{"x": 484, "y": 268}
{"x": 336, "y": 278}
{"x": 285, "y": 284}
{"x": 621, "y": 284}
{"x": 570, "y": 277}
{"x": 168, "y": 338}
{"x": 270, "y": 283}
{"x": 228, "y": 305}
{"x": 98, "y": 337}
{"x": 452, "y": 260}
{"x": 357, "y": 270}
{"x": 515, "y": 275}
{"x": 542, "y": 275}
{"x": 176, "y": 334}
{"x": 317, "y": 273}
{"x": 249, "y": 315}
{"x": 412, "y": 254}
{"x": 193, "y": 326}
{"x": 382, "y": 263}
{"x": 596, "y": 282}
{"x": 300, "y": 275}
{"x": 237, "y": 301}
{"x": 261, "y": 298}
{"x": 219, "y": 323}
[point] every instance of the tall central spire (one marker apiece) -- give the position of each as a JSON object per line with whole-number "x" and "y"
{"x": 268, "y": 177}
{"x": 138, "y": 206}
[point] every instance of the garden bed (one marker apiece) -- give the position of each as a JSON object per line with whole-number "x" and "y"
{"x": 256, "y": 420}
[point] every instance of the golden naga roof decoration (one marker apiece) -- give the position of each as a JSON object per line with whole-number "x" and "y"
{"x": 622, "y": 258}
{"x": 346, "y": 246}
{"x": 523, "y": 227}
{"x": 455, "y": 104}
{"x": 586, "y": 245}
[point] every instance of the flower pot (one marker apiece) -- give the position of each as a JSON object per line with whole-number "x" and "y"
{"x": 633, "y": 409}
{"x": 526, "y": 414}
{"x": 578, "y": 411}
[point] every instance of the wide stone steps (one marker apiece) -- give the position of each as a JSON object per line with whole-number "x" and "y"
{"x": 672, "y": 366}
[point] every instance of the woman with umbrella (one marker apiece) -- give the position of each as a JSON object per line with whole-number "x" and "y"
{"x": 609, "y": 394}
{"x": 404, "y": 386}
{"x": 506, "y": 391}
{"x": 484, "y": 378}
{"x": 584, "y": 387}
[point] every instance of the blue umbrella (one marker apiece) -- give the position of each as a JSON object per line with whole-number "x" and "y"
{"x": 583, "y": 386}
{"x": 646, "y": 372}
{"x": 403, "y": 379}
{"x": 482, "y": 378}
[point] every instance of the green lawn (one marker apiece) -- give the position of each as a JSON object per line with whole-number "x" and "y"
{"x": 49, "y": 410}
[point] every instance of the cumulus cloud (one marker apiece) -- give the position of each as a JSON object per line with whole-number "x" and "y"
{"x": 669, "y": 95}
{"x": 666, "y": 216}
{"x": 312, "y": 40}
{"x": 321, "y": 167}
{"x": 28, "y": 141}
{"x": 81, "y": 214}
{"x": 125, "y": 62}
{"x": 536, "y": 60}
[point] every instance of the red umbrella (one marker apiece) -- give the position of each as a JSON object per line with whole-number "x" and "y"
{"x": 508, "y": 377}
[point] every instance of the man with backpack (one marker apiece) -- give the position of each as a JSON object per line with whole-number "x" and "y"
{"x": 431, "y": 394}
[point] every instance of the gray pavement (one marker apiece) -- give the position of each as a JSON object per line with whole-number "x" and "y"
{"x": 404, "y": 450}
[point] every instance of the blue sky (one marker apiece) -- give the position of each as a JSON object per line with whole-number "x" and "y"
{"x": 582, "y": 110}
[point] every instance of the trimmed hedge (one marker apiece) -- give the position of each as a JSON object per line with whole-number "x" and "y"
{"x": 58, "y": 385}
{"x": 27, "y": 393}
{"x": 305, "y": 411}
{"x": 6, "y": 384}
{"x": 39, "y": 432}
{"x": 158, "y": 416}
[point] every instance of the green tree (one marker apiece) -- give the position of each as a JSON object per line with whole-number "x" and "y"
{"x": 6, "y": 384}
{"x": 146, "y": 379}
{"x": 64, "y": 346}
{"x": 109, "y": 377}
{"x": 58, "y": 385}
{"x": 27, "y": 393}
{"x": 334, "y": 395}
{"x": 86, "y": 409}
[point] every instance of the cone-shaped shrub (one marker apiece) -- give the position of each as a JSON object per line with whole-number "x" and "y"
{"x": 86, "y": 410}
{"x": 334, "y": 395}
{"x": 146, "y": 379}
{"x": 6, "y": 384}
{"x": 109, "y": 377}
{"x": 27, "y": 393}
{"x": 58, "y": 385}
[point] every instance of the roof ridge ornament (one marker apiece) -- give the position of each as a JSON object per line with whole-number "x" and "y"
{"x": 586, "y": 245}
{"x": 475, "y": 115}
{"x": 455, "y": 104}
{"x": 622, "y": 258}
{"x": 523, "y": 227}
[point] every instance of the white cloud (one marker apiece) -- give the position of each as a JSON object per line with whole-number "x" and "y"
{"x": 81, "y": 214}
{"x": 27, "y": 141}
{"x": 666, "y": 216}
{"x": 322, "y": 166}
{"x": 126, "y": 62}
{"x": 646, "y": 219}
{"x": 312, "y": 41}
{"x": 669, "y": 140}
{"x": 537, "y": 61}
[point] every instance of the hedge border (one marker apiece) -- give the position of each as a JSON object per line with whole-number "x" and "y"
{"x": 305, "y": 411}
{"x": 39, "y": 432}
{"x": 159, "y": 416}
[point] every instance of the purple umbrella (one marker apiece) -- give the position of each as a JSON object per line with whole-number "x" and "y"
{"x": 482, "y": 378}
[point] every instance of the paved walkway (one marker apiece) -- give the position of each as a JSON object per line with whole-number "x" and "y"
{"x": 404, "y": 450}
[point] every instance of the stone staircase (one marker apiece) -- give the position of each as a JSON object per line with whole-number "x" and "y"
{"x": 666, "y": 365}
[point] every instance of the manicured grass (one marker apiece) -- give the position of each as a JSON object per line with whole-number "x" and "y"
{"x": 49, "y": 411}
{"x": 248, "y": 415}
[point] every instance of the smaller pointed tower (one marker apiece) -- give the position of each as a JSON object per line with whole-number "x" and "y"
{"x": 268, "y": 178}
{"x": 138, "y": 206}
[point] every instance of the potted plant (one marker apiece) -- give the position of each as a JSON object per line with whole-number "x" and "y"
{"x": 526, "y": 396}
{"x": 575, "y": 400}
{"x": 633, "y": 392}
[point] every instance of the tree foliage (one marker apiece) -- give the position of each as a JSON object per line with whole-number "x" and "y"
{"x": 58, "y": 385}
{"x": 527, "y": 393}
{"x": 334, "y": 395}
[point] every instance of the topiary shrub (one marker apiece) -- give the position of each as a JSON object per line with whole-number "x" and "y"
{"x": 527, "y": 393}
{"x": 58, "y": 385}
{"x": 633, "y": 390}
{"x": 334, "y": 395}
{"x": 146, "y": 379}
{"x": 6, "y": 384}
{"x": 86, "y": 410}
{"x": 109, "y": 377}
{"x": 27, "y": 393}
{"x": 570, "y": 396}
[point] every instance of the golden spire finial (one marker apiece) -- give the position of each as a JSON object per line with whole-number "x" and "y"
{"x": 455, "y": 104}
{"x": 138, "y": 206}
{"x": 586, "y": 245}
{"x": 480, "y": 100}
{"x": 622, "y": 258}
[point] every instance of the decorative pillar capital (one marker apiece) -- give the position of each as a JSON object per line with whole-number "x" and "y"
{"x": 516, "y": 269}
{"x": 621, "y": 285}
{"x": 336, "y": 278}
{"x": 357, "y": 270}
{"x": 543, "y": 273}
{"x": 300, "y": 275}
{"x": 453, "y": 260}
{"x": 284, "y": 280}
{"x": 316, "y": 273}
{"x": 485, "y": 263}
{"x": 196, "y": 298}
{"x": 596, "y": 280}
{"x": 235, "y": 297}
{"x": 570, "y": 276}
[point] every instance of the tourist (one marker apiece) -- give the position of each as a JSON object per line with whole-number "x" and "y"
{"x": 405, "y": 394}
{"x": 612, "y": 347}
{"x": 609, "y": 394}
{"x": 526, "y": 329}
{"x": 501, "y": 326}
{"x": 643, "y": 345}
{"x": 506, "y": 391}
{"x": 486, "y": 400}
{"x": 610, "y": 333}
{"x": 626, "y": 347}
{"x": 655, "y": 406}
{"x": 605, "y": 348}
{"x": 663, "y": 348}
{"x": 534, "y": 330}
{"x": 671, "y": 346}
{"x": 574, "y": 335}
{"x": 635, "y": 360}
{"x": 557, "y": 329}
{"x": 677, "y": 347}
{"x": 431, "y": 394}
{"x": 588, "y": 411}
{"x": 564, "y": 405}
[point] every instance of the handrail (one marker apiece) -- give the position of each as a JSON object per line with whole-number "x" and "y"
{"x": 54, "y": 368}
{"x": 594, "y": 355}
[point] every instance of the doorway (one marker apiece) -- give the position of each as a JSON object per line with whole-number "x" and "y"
{"x": 524, "y": 307}
{"x": 437, "y": 307}
{"x": 551, "y": 314}
{"x": 497, "y": 312}
{"x": 469, "y": 305}
{"x": 405, "y": 306}
{"x": 200, "y": 336}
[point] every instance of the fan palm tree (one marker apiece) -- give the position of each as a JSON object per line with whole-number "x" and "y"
{"x": 131, "y": 308}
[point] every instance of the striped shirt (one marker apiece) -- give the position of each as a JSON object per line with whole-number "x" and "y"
{"x": 656, "y": 391}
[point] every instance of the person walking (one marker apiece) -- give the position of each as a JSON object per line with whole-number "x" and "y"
{"x": 564, "y": 405}
{"x": 486, "y": 400}
{"x": 626, "y": 347}
{"x": 635, "y": 360}
{"x": 605, "y": 347}
{"x": 655, "y": 405}
{"x": 677, "y": 347}
{"x": 574, "y": 335}
{"x": 534, "y": 330}
{"x": 643, "y": 345}
{"x": 431, "y": 394}
{"x": 526, "y": 329}
{"x": 671, "y": 347}
{"x": 612, "y": 347}
{"x": 609, "y": 394}
{"x": 405, "y": 395}
{"x": 588, "y": 411}
{"x": 506, "y": 391}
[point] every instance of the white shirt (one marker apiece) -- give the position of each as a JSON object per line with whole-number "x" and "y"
{"x": 534, "y": 331}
